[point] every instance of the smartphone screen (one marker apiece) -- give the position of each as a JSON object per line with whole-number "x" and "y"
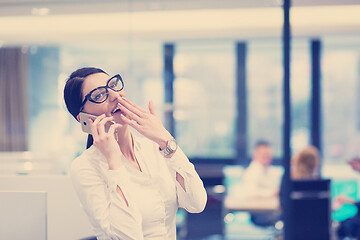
{"x": 85, "y": 125}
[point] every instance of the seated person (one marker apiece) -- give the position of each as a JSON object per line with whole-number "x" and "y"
{"x": 306, "y": 164}
{"x": 260, "y": 183}
{"x": 350, "y": 228}
{"x": 257, "y": 180}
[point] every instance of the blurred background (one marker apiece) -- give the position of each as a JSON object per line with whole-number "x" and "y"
{"x": 214, "y": 70}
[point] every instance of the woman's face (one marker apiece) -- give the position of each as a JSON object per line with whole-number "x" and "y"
{"x": 110, "y": 105}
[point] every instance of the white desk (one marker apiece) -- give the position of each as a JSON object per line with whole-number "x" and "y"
{"x": 251, "y": 204}
{"x": 23, "y": 215}
{"x": 65, "y": 218}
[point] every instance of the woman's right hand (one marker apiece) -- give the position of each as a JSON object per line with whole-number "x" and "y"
{"x": 106, "y": 141}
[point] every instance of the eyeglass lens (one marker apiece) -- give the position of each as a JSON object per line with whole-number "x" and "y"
{"x": 100, "y": 94}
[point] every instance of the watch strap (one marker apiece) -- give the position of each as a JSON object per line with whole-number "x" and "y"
{"x": 168, "y": 150}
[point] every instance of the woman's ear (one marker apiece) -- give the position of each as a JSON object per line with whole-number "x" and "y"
{"x": 78, "y": 118}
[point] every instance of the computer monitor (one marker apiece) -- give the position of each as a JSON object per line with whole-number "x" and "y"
{"x": 23, "y": 215}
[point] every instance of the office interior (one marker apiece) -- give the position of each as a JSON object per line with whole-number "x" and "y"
{"x": 216, "y": 73}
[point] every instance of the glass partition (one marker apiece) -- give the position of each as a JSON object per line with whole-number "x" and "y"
{"x": 340, "y": 82}
{"x": 204, "y": 98}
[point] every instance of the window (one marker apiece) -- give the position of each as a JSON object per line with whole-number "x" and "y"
{"x": 340, "y": 80}
{"x": 300, "y": 94}
{"x": 264, "y": 81}
{"x": 265, "y": 94}
{"x": 204, "y": 98}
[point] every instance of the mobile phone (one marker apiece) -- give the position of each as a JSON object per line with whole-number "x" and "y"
{"x": 85, "y": 125}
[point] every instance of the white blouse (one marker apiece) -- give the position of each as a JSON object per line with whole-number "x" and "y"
{"x": 153, "y": 194}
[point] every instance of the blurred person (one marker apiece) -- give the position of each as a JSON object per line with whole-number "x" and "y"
{"x": 130, "y": 186}
{"x": 257, "y": 179}
{"x": 350, "y": 228}
{"x": 306, "y": 164}
{"x": 259, "y": 183}
{"x": 355, "y": 164}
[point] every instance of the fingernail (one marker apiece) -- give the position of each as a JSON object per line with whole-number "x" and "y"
{"x": 123, "y": 98}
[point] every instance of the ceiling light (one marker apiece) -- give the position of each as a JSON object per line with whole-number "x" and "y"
{"x": 40, "y": 11}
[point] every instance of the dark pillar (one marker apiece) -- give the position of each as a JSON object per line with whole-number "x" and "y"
{"x": 287, "y": 123}
{"x": 241, "y": 110}
{"x": 168, "y": 83}
{"x": 316, "y": 94}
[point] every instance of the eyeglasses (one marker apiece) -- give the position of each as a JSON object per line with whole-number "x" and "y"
{"x": 100, "y": 94}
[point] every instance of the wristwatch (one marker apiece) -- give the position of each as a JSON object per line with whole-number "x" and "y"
{"x": 171, "y": 147}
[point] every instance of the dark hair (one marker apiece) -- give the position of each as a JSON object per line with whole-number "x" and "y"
{"x": 73, "y": 92}
{"x": 262, "y": 142}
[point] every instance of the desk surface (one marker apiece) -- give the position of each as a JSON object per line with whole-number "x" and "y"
{"x": 23, "y": 215}
{"x": 251, "y": 204}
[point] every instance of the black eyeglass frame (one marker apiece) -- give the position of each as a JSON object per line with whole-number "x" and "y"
{"x": 88, "y": 96}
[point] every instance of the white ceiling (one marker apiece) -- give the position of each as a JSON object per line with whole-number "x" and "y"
{"x": 23, "y": 7}
{"x": 111, "y": 20}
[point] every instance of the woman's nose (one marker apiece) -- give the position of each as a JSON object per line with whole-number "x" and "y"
{"x": 113, "y": 95}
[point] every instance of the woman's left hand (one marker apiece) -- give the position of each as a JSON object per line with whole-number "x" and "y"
{"x": 145, "y": 122}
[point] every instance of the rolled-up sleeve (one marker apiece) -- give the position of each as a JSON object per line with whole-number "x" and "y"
{"x": 194, "y": 197}
{"x": 105, "y": 207}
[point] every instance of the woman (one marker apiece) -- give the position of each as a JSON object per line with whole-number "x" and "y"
{"x": 306, "y": 164}
{"x": 129, "y": 186}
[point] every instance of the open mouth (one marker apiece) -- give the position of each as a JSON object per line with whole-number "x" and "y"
{"x": 117, "y": 109}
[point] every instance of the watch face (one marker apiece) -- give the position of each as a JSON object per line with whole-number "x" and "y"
{"x": 172, "y": 145}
